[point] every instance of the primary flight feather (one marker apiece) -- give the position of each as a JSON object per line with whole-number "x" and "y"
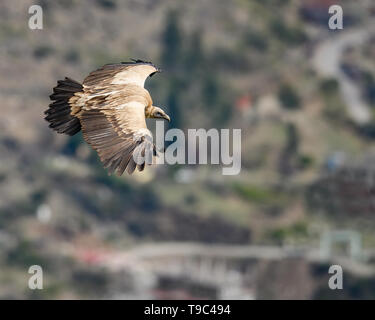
{"x": 110, "y": 107}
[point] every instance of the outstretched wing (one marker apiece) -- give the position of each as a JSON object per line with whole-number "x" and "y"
{"x": 135, "y": 73}
{"x": 120, "y": 137}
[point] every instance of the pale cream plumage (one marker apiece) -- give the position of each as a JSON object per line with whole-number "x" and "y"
{"x": 110, "y": 107}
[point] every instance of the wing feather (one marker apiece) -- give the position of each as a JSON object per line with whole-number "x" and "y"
{"x": 121, "y": 73}
{"x": 120, "y": 137}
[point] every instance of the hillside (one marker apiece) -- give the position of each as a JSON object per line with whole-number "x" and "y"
{"x": 240, "y": 64}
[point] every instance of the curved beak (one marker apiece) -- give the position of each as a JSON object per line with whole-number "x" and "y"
{"x": 166, "y": 117}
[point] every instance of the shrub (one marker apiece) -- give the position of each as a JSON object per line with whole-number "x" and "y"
{"x": 288, "y": 97}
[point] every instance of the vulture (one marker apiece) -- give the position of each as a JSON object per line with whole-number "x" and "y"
{"x": 110, "y": 107}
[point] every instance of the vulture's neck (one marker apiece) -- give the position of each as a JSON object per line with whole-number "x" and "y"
{"x": 149, "y": 111}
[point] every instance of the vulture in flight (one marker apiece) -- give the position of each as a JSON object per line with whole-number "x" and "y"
{"x": 110, "y": 107}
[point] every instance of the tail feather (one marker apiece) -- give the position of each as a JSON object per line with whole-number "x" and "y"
{"x": 59, "y": 112}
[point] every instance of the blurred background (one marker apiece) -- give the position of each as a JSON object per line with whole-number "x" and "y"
{"x": 304, "y": 97}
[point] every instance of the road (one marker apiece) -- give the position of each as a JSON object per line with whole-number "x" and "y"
{"x": 326, "y": 61}
{"x": 164, "y": 253}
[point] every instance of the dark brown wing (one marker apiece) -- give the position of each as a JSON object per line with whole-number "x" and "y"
{"x": 120, "y": 136}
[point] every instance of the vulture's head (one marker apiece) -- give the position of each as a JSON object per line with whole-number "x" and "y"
{"x": 159, "y": 113}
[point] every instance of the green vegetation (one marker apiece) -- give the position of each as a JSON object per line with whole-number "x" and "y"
{"x": 297, "y": 230}
{"x": 256, "y": 40}
{"x": 25, "y": 255}
{"x": 260, "y": 195}
{"x": 334, "y": 109}
{"x": 191, "y": 74}
{"x": 291, "y": 35}
{"x": 289, "y": 97}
